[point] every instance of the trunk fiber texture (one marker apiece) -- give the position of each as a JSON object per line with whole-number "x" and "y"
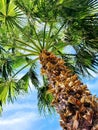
{"x": 77, "y": 107}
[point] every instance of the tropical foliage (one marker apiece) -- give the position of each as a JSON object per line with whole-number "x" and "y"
{"x": 28, "y": 27}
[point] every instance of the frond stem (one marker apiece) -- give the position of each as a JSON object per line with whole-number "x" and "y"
{"x": 49, "y": 35}
{"x": 25, "y": 44}
{"x": 24, "y": 67}
{"x": 44, "y": 34}
{"x": 37, "y": 38}
{"x": 22, "y": 48}
{"x": 30, "y": 54}
{"x": 55, "y": 35}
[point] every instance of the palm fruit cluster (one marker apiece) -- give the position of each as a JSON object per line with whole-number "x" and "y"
{"x": 77, "y": 108}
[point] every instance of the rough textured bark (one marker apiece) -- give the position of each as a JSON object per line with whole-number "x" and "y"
{"x": 78, "y": 109}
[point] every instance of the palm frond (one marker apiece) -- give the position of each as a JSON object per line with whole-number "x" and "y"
{"x": 78, "y": 9}
{"x": 6, "y": 69}
{"x": 7, "y": 90}
{"x": 86, "y": 60}
{"x": 22, "y": 85}
{"x": 44, "y": 99}
{"x": 82, "y": 61}
{"x": 33, "y": 77}
{"x": 10, "y": 15}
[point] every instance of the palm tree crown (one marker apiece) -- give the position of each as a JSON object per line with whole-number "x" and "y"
{"x": 29, "y": 27}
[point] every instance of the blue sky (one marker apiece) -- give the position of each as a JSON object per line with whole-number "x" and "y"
{"x": 23, "y": 114}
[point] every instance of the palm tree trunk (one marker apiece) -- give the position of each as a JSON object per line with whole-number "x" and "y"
{"x": 77, "y": 108}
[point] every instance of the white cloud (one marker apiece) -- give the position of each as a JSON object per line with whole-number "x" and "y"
{"x": 17, "y": 106}
{"x": 19, "y": 121}
{"x": 20, "y": 117}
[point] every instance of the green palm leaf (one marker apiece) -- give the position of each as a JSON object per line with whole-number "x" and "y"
{"x": 28, "y": 27}
{"x": 44, "y": 99}
{"x": 9, "y": 13}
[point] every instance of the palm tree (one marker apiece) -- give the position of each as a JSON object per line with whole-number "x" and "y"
{"x": 42, "y": 30}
